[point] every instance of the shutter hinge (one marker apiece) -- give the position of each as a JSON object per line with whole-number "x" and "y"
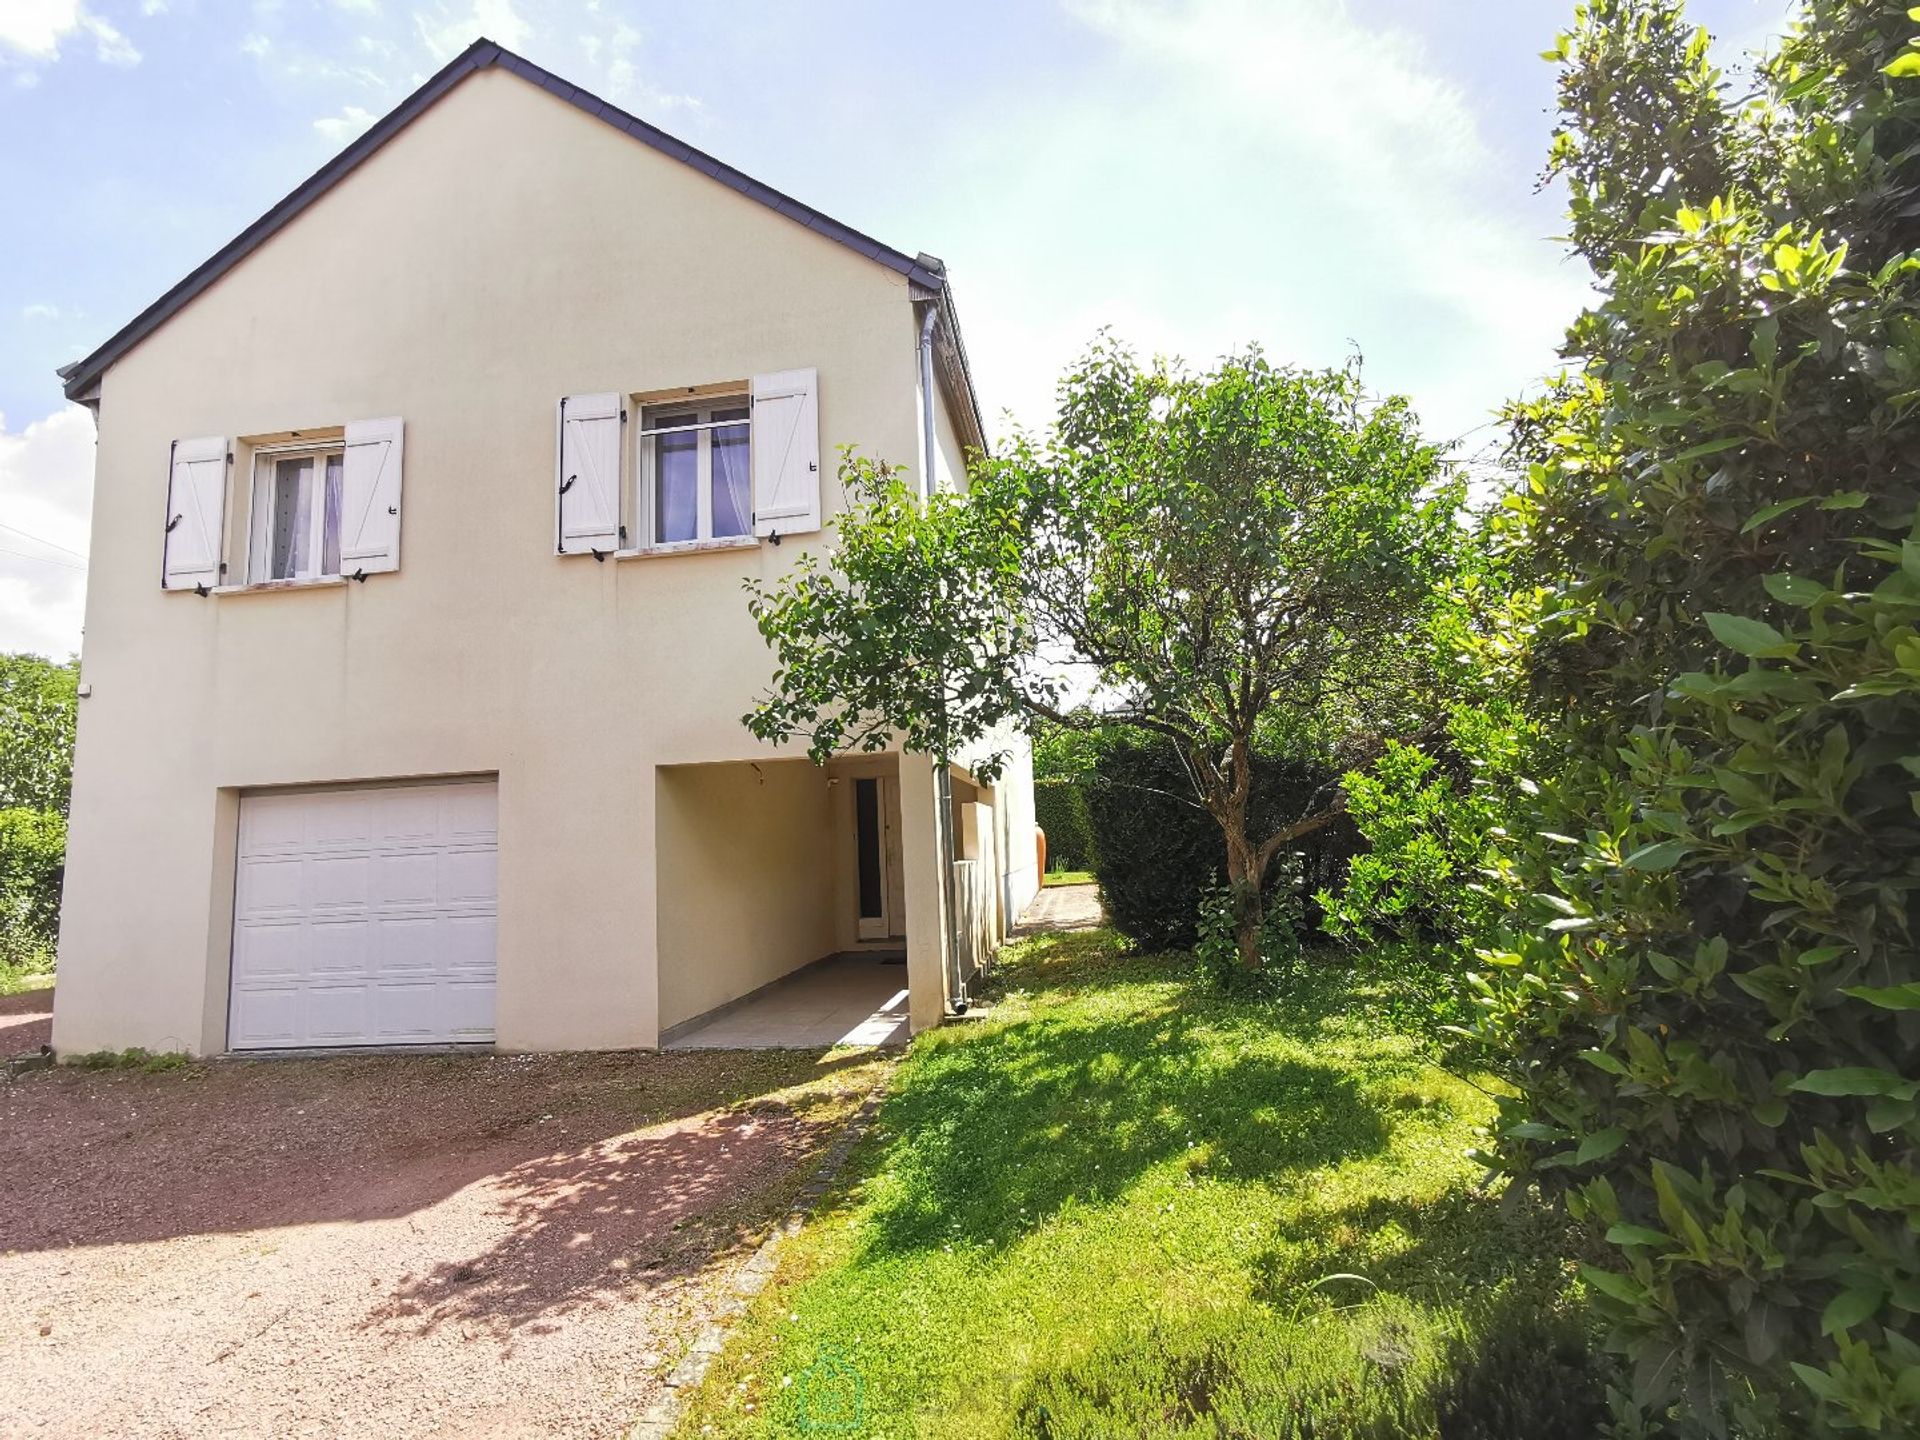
{"x": 567, "y": 484}
{"x": 229, "y": 457}
{"x": 623, "y": 534}
{"x": 201, "y": 590}
{"x": 360, "y": 575}
{"x": 600, "y": 555}
{"x": 173, "y": 522}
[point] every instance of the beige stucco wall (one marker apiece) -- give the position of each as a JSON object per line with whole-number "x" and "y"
{"x": 505, "y": 250}
{"x": 747, "y": 888}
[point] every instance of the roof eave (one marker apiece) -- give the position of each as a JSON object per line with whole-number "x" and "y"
{"x": 82, "y": 377}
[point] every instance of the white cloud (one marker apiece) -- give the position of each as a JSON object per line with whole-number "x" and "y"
{"x": 344, "y": 126}
{"x": 446, "y": 31}
{"x": 1233, "y": 170}
{"x": 39, "y": 311}
{"x": 46, "y": 493}
{"x": 256, "y": 45}
{"x": 34, "y": 30}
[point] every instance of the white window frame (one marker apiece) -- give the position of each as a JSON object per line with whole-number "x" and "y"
{"x": 265, "y": 460}
{"x": 646, "y": 472}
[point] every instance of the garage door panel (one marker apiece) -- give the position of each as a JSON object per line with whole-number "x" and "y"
{"x": 266, "y": 1017}
{"x": 409, "y": 945}
{"x": 468, "y": 877}
{"x": 468, "y": 945}
{"x": 337, "y": 881}
{"x": 471, "y": 812}
{"x": 469, "y": 1008}
{"x": 410, "y": 1013}
{"x": 408, "y": 817}
{"x": 337, "y": 821}
{"x": 366, "y": 917}
{"x": 337, "y": 949}
{"x": 406, "y": 878}
{"x": 337, "y": 1014}
{"x": 265, "y": 886}
{"x": 276, "y": 950}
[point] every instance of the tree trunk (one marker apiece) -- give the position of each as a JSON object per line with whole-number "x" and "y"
{"x": 1243, "y": 885}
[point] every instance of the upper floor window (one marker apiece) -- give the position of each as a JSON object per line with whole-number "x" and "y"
{"x": 296, "y": 513}
{"x": 697, "y": 472}
{"x": 709, "y": 464}
{"x": 294, "y": 505}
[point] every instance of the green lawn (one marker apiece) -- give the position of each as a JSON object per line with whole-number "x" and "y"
{"x": 1122, "y": 1206}
{"x": 1067, "y": 877}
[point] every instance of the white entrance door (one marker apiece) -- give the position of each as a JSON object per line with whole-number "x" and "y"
{"x": 365, "y": 916}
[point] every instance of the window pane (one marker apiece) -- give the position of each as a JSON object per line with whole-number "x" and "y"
{"x": 330, "y": 541}
{"x": 292, "y": 519}
{"x": 676, "y": 487}
{"x": 732, "y": 476}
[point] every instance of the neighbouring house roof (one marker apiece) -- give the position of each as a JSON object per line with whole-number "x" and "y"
{"x": 926, "y": 275}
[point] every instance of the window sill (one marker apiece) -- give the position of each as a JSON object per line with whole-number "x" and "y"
{"x": 262, "y": 587}
{"x": 688, "y": 547}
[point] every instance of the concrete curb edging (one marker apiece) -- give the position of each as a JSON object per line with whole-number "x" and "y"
{"x": 660, "y": 1417}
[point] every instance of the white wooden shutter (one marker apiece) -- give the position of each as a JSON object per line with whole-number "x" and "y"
{"x": 589, "y": 474}
{"x": 786, "y": 453}
{"x": 370, "y": 497}
{"x": 196, "y": 514}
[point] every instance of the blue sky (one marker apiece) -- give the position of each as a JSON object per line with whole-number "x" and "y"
{"x": 1315, "y": 175}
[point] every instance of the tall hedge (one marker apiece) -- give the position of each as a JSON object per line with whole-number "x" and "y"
{"x": 1060, "y": 809}
{"x": 33, "y": 847}
{"x": 1712, "y": 1008}
{"x": 1156, "y": 851}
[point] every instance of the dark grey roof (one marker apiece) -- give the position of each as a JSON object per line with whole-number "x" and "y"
{"x": 80, "y": 377}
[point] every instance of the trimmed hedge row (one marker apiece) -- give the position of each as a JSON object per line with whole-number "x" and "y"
{"x": 1060, "y": 809}
{"x": 1156, "y": 851}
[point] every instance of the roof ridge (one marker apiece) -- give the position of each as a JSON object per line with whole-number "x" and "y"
{"x": 80, "y": 376}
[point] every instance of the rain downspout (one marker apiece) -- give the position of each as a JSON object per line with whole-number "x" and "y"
{"x": 943, "y": 772}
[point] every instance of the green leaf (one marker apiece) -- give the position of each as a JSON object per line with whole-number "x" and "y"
{"x": 1848, "y": 1080}
{"x": 1887, "y": 997}
{"x": 1748, "y": 636}
{"x": 1818, "y": 1381}
{"x": 1711, "y": 447}
{"x": 1845, "y": 500}
{"x": 1660, "y": 855}
{"x": 1849, "y": 1308}
{"x": 1620, "y": 1287}
{"x": 1773, "y": 512}
{"x": 1599, "y": 1145}
{"x": 1794, "y": 589}
{"x": 1903, "y": 66}
{"x": 1637, "y": 1235}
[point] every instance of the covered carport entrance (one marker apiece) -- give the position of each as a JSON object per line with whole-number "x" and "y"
{"x": 796, "y": 904}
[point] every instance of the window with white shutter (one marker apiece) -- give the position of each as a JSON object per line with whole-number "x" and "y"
{"x": 196, "y": 514}
{"x": 588, "y": 505}
{"x": 786, "y": 453}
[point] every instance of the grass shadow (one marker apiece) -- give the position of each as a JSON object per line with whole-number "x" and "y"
{"x": 1003, "y": 1126}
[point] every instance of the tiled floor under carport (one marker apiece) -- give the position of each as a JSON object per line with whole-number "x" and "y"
{"x": 845, "y": 1000}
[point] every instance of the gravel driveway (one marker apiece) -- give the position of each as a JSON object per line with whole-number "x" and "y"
{"x": 421, "y": 1246}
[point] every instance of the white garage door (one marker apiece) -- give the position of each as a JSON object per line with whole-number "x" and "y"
{"x": 365, "y": 916}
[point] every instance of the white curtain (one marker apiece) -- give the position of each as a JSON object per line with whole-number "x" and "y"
{"x": 330, "y": 520}
{"x": 732, "y": 481}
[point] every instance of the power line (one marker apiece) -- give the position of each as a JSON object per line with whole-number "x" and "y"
{"x": 39, "y": 541}
{"x": 45, "y": 559}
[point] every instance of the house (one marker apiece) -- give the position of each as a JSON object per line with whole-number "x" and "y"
{"x": 416, "y": 645}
